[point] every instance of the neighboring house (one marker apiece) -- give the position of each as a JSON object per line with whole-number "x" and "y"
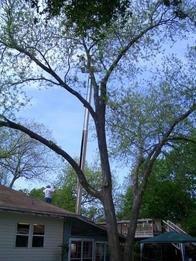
{"x": 32, "y": 230}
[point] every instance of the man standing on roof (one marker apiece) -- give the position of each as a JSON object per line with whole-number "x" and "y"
{"x": 48, "y": 191}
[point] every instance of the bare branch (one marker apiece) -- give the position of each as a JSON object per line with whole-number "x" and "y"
{"x": 31, "y": 80}
{"x": 42, "y": 55}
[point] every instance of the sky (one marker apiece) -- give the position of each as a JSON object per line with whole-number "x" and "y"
{"x": 59, "y": 112}
{"x": 63, "y": 116}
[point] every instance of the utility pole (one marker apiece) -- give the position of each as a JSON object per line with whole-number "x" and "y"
{"x": 83, "y": 146}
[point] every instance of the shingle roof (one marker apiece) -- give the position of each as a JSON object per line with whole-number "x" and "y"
{"x": 13, "y": 200}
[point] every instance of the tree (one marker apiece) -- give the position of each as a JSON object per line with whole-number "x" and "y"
{"x": 65, "y": 193}
{"x": 23, "y": 157}
{"x": 171, "y": 189}
{"x": 139, "y": 121}
{"x": 33, "y": 52}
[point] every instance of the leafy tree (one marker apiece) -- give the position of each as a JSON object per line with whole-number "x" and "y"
{"x": 143, "y": 125}
{"x": 54, "y": 54}
{"x": 90, "y": 206}
{"x": 23, "y": 157}
{"x": 66, "y": 192}
{"x": 36, "y": 193}
{"x": 171, "y": 190}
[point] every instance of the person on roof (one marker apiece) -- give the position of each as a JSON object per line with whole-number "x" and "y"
{"x": 48, "y": 191}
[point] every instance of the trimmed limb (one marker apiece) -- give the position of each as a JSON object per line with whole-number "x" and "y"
{"x": 10, "y": 124}
{"x": 91, "y": 71}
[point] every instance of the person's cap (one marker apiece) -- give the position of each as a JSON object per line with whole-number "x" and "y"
{"x": 48, "y": 186}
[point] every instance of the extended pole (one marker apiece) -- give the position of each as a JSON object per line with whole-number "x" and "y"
{"x": 83, "y": 147}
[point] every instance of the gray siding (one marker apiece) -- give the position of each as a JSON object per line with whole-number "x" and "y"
{"x": 53, "y": 238}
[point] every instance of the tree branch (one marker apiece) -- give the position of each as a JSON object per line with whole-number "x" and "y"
{"x": 91, "y": 72}
{"x": 14, "y": 45}
{"x": 4, "y": 122}
{"x": 185, "y": 139}
{"x": 157, "y": 149}
{"x": 127, "y": 47}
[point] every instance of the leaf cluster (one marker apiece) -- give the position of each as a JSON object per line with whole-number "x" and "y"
{"x": 85, "y": 15}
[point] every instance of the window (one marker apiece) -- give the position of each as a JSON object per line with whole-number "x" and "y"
{"x": 101, "y": 251}
{"x": 38, "y": 235}
{"x": 75, "y": 250}
{"x": 22, "y": 235}
{"x": 87, "y": 251}
{"x": 81, "y": 250}
{"x": 30, "y": 235}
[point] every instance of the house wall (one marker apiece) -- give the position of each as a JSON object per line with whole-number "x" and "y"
{"x": 79, "y": 230}
{"x": 53, "y": 239}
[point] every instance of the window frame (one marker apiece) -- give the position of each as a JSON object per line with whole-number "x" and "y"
{"x": 30, "y": 235}
{"x": 81, "y": 240}
{"x": 105, "y": 243}
{"x": 24, "y": 235}
{"x": 37, "y": 235}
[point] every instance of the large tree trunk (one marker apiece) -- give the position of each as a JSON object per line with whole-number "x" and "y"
{"x": 111, "y": 225}
{"x": 13, "y": 181}
{"x": 107, "y": 200}
{"x": 128, "y": 249}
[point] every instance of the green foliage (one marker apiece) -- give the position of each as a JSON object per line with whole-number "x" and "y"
{"x": 166, "y": 200}
{"x": 36, "y": 193}
{"x": 65, "y": 193}
{"x": 171, "y": 190}
{"x": 126, "y": 205}
{"x": 85, "y": 15}
{"x": 96, "y": 16}
{"x": 189, "y": 223}
{"x": 137, "y": 118}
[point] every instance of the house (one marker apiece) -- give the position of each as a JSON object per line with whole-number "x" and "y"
{"x": 146, "y": 227}
{"x": 33, "y": 230}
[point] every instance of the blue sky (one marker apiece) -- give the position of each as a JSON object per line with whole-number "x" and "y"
{"x": 62, "y": 114}
{"x": 59, "y": 112}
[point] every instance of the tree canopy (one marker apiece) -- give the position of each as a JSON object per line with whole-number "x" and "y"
{"x": 171, "y": 190}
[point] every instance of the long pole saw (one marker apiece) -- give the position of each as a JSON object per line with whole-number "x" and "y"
{"x": 83, "y": 146}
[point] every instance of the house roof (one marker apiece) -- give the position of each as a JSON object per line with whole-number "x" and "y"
{"x": 16, "y": 201}
{"x": 12, "y": 200}
{"x": 169, "y": 237}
